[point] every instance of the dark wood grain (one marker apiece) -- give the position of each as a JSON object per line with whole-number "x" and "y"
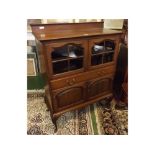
{"x": 44, "y": 32}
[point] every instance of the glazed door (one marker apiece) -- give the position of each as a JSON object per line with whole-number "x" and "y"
{"x": 66, "y": 58}
{"x": 102, "y": 51}
{"x": 99, "y": 87}
{"x": 69, "y": 96}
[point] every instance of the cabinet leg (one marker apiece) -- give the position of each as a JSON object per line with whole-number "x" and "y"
{"x": 106, "y": 102}
{"x": 113, "y": 104}
{"x": 54, "y": 120}
{"x": 46, "y": 101}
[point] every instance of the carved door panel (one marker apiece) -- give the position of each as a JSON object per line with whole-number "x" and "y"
{"x": 69, "y": 96}
{"x": 99, "y": 87}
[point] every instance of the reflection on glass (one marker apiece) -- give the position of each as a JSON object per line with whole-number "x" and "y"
{"x": 109, "y": 45}
{"x": 67, "y": 51}
{"x": 98, "y": 48}
{"x": 60, "y": 67}
{"x": 76, "y": 64}
{"x": 66, "y": 58}
{"x": 59, "y": 54}
{"x": 96, "y": 60}
{"x": 102, "y": 52}
{"x": 75, "y": 50}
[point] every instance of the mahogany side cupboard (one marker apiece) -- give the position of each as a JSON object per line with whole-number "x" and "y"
{"x": 78, "y": 61}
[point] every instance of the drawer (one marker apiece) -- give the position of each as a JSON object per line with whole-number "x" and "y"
{"x": 89, "y": 75}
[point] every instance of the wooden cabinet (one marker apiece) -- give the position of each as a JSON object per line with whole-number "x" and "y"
{"x": 78, "y": 60}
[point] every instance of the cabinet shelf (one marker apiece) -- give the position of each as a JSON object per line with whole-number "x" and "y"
{"x": 67, "y": 65}
{"x": 103, "y": 52}
{"x": 101, "y": 58}
{"x": 67, "y": 58}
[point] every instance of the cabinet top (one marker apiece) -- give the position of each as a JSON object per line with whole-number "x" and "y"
{"x": 45, "y": 32}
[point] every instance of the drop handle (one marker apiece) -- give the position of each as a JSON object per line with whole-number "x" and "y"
{"x": 71, "y": 82}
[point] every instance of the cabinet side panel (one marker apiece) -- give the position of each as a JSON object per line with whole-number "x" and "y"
{"x": 41, "y": 57}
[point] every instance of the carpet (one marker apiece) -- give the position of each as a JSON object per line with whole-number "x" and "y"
{"x": 96, "y": 119}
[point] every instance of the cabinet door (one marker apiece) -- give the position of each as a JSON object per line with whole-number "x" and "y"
{"x": 67, "y": 57}
{"x": 99, "y": 87}
{"x": 102, "y": 51}
{"x": 69, "y": 96}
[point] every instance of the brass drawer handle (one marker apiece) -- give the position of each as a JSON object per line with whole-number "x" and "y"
{"x": 71, "y": 82}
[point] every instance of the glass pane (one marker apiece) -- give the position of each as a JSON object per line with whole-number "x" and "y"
{"x": 96, "y": 60}
{"x": 75, "y": 50}
{"x": 109, "y": 45}
{"x": 98, "y": 48}
{"x": 59, "y": 53}
{"x": 102, "y": 52}
{"x": 76, "y": 64}
{"x": 60, "y": 67}
{"x": 108, "y": 57}
{"x": 67, "y": 57}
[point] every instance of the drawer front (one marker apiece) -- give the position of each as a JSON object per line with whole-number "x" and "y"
{"x": 75, "y": 79}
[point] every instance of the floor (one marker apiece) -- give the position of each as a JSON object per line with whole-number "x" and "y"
{"x": 97, "y": 119}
